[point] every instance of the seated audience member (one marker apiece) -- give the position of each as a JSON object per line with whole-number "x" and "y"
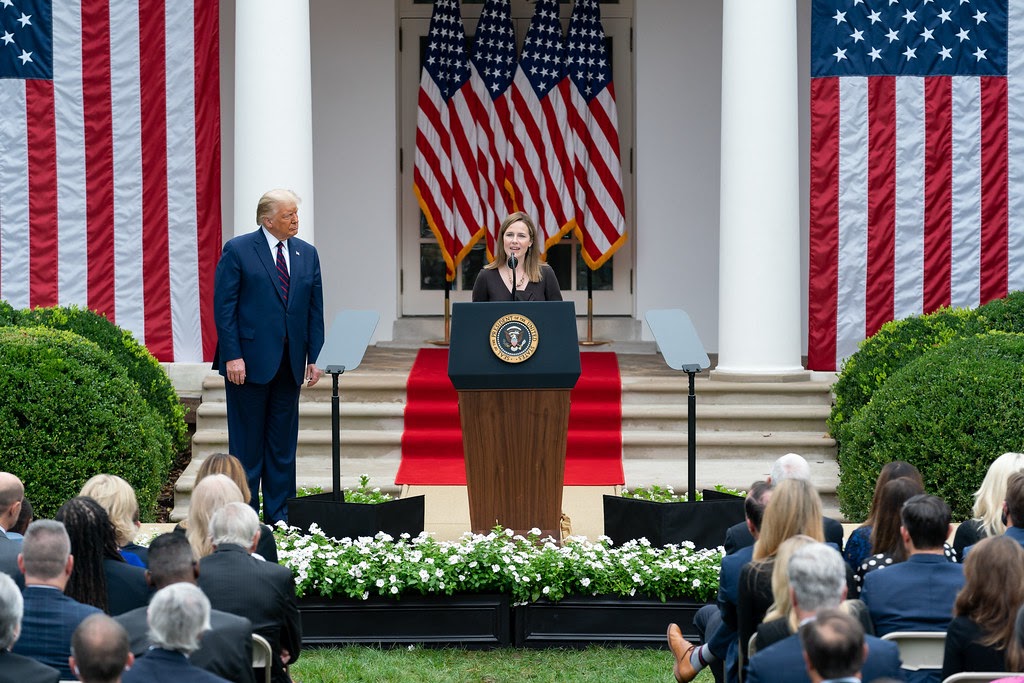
{"x": 224, "y": 650}
{"x": 17, "y": 532}
{"x": 834, "y": 647}
{"x": 101, "y": 578}
{"x": 223, "y": 463}
{"x": 717, "y": 623}
{"x": 986, "y": 608}
{"x": 11, "y": 494}
{"x": 177, "y": 616}
{"x": 1013, "y": 509}
{"x": 99, "y": 650}
{"x": 1015, "y": 651}
{"x": 789, "y": 466}
{"x": 817, "y": 579}
{"x": 262, "y": 592}
{"x": 794, "y": 509}
{"x": 858, "y": 545}
{"x": 50, "y": 616}
{"x": 209, "y": 495}
{"x": 16, "y": 668}
{"x": 886, "y": 539}
{"x": 988, "y": 503}
{"x": 917, "y": 594}
{"x": 118, "y": 498}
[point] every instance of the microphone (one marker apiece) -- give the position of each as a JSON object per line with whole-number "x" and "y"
{"x": 512, "y": 263}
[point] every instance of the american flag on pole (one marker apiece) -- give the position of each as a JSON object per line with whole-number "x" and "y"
{"x": 493, "y": 66}
{"x": 594, "y": 121}
{"x": 917, "y": 163}
{"x": 541, "y": 165}
{"x": 446, "y": 170}
{"x": 110, "y": 163}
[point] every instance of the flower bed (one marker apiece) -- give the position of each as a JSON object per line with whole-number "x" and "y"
{"x": 523, "y": 568}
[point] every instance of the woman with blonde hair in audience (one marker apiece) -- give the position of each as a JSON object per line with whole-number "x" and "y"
{"x": 209, "y": 495}
{"x": 981, "y": 635}
{"x": 794, "y": 509}
{"x": 858, "y": 545}
{"x": 224, "y": 463}
{"x": 988, "y": 503}
{"x": 118, "y": 498}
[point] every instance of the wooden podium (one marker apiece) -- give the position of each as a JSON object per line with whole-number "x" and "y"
{"x": 514, "y": 365}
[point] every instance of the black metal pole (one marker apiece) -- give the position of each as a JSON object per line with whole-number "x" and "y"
{"x": 691, "y": 438}
{"x": 336, "y": 440}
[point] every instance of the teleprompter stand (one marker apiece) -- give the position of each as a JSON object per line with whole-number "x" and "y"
{"x": 703, "y": 522}
{"x": 343, "y": 351}
{"x": 514, "y": 415}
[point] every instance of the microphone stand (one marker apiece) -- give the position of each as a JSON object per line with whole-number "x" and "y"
{"x": 512, "y": 263}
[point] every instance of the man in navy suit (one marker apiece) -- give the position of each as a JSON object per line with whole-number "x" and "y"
{"x": 12, "y": 492}
{"x": 50, "y": 616}
{"x": 817, "y": 581}
{"x": 269, "y": 310}
{"x": 16, "y": 668}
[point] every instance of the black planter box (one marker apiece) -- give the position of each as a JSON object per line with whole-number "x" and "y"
{"x": 580, "y": 621}
{"x": 703, "y": 522}
{"x": 466, "y": 620}
{"x": 341, "y": 520}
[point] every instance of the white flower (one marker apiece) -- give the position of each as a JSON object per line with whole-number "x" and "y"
{"x": 424, "y": 575}
{"x": 496, "y": 568}
{"x": 547, "y": 590}
{"x": 585, "y": 581}
{"x": 380, "y": 583}
{"x": 696, "y": 583}
{"x": 394, "y": 590}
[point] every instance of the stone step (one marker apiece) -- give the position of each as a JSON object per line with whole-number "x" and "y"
{"x": 667, "y": 390}
{"x": 653, "y": 444}
{"x": 316, "y": 416}
{"x": 725, "y": 417}
{"x": 374, "y": 386}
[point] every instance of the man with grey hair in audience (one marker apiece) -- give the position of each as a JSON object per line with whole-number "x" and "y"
{"x": 16, "y": 668}
{"x": 262, "y": 592}
{"x": 99, "y": 650}
{"x": 177, "y": 616}
{"x": 789, "y": 466}
{"x": 50, "y": 616}
{"x": 817, "y": 581}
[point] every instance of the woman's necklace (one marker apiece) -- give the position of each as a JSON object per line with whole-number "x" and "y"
{"x": 516, "y": 283}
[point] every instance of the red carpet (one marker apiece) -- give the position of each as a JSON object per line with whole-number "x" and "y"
{"x": 432, "y": 440}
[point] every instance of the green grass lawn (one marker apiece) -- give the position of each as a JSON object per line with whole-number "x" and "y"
{"x": 597, "y": 664}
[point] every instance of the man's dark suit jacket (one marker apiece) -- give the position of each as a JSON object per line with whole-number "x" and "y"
{"x": 9, "y": 550}
{"x": 252, "y": 319}
{"x": 224, "y": 650}
{"x": 18, "y": 669}
{"x": 262, "y": 592}
{"x": 738, "y": 535}
{"x": 126, "y": 587}
{"x": 783, "y": 662}
{"x": 50, "y": 619}
{"x": 165, "y": 666}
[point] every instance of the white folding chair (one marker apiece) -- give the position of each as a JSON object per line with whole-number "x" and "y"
{"x": 262, "y": 655}
{"x": 978, "y": 676}
{"x": 919, "y": 649}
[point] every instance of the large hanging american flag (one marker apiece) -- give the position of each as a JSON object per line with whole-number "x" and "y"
{"x": 446, "y": 170}
{"x": 917, "y": 163}
{"x": 110, "y": 163}
{"x": 492, "y": 68}
{"x": 594, "y": 121}
{"x": 541, "y": 161}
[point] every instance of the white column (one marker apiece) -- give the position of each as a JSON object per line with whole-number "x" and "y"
{"x": 759, "y": 239}
{"x": 273, "y": 108}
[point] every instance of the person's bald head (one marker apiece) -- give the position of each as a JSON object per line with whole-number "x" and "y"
{"x": 11, "y": 493}
{"x": 100, "y": 650}
{"x": 789, "y": 466}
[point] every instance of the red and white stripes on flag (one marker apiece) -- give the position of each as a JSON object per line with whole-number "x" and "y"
{"x": 541, "y": 163}
{"x": 110, "y": 164}
{"x": 593, "y": 119}
{"x": 917, "y": 164}
{"x": 447, "y": 175}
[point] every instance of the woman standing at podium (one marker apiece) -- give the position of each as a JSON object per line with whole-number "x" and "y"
{"x": 532, "y": 280}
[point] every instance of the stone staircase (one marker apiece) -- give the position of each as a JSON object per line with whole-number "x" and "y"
{"x": 741, "y": 427}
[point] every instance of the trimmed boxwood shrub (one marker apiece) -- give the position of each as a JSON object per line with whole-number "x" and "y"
{"x": 896, "y": 344}
{"x": 154, "y": 385}
{"x": 1006, "y": 314}
{"x": 950, "y": 413}
{"x": 8, "y": 315}
{"x": 69, "y": 411}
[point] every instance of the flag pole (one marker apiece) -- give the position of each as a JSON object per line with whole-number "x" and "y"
{"x": 447, "y": 316}
{"x": 590, "y": 341}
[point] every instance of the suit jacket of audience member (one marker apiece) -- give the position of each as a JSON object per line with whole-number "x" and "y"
{"x": 725, "y": 638}
{"x": 9, "y": 549}
{"x": 738, "y": 535}
{"x": 18, "y": 669}
{"x": 783, "y": 662}
{"x": 262, "y": 592}
{"x": 46, "y": 627}
{"x": 771, "y": 632}
{"x": 224, "y": 650}
{"x": 915, "y": 595}
{"x": 126, "y": 587}
{"x": 166, "y": 666}
{"x": 1014, "y": 532}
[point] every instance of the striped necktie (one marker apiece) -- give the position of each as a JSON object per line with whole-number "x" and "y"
{"x": 283, "y": 278}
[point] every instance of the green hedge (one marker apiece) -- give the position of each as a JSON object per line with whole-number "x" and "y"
{"x": 154, "y": 385}
{"x": 70, "y": 411}
{"x": 950, "y": 412}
